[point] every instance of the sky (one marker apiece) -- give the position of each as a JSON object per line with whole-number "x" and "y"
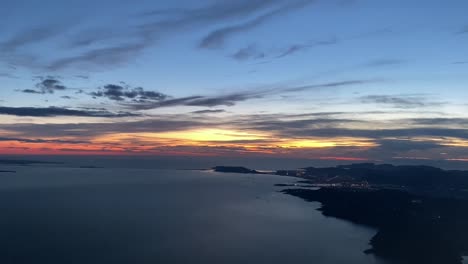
{"x": 351, "y": 80}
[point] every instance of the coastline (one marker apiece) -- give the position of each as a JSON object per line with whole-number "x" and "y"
{"x": 411, "y": 229}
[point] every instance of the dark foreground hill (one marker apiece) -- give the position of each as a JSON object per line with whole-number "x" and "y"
{"x": 411, "y": 229}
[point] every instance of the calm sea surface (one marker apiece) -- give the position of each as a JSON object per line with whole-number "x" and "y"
{"x": 74, "y": 215}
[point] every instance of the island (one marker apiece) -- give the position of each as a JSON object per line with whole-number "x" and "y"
{"x": 21, "y": 162}
{"x": 423, "y": 180}
{"x": 90, "y": 167}
{"x": 234, "y": 169}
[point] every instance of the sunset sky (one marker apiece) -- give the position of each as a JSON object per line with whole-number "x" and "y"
{"x": 334, "y": 80}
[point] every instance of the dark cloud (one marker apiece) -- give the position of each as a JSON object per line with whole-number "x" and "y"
{"x": 378, "y": 133}
{"x": 209, "y": 111}
{"x": 46, "y": 85}
{"x": 285, "y": 125}
{"x": 226, "y": 100}
{"x": 403, "y": 145}
{"x": 295, "y": 48}
{"x": 248, "y": 53}
{"x": 177, "y": 19}
{"x": 384, "y": 62}
{"x": 28, "y": 140}
{"x": 124, "y": 92}
{"x": 113, "y": 55}
{"x": 57, "y": 111}
{"x": 92, "y": 36}
{"x": 86, "y": 130}
{"x": 217, "y": 38}
{"x": 251, "y": 52}
{"x": 133, "y": 41}
{"x": 326, "y": 85}
{"x": 206, "y": 101}
{"x": 31, "y": 91}
{"x": 301, "y": 47}
{"x": 441, "y": 121}
{"x": 50, "y": 85}
{"x": 169, "y": 102}
{"x": 399, "y": 101}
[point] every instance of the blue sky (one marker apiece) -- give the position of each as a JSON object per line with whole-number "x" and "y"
{"x": 375, "y": 64}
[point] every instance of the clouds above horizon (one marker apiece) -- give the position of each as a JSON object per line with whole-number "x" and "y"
{"x": 59, "y": 111}
{"x": 126, "y": 98}
{"x": 108, "y": 47}
{"x": 286, "y": 78}
{"x": 216, "y": 38}
{"x": 326, "y": 134}
{"x": 231, "y": 99}
{"x": 400, "y": 101}
{"x": 114, "y": 44}
{"x": 124, "y": 92}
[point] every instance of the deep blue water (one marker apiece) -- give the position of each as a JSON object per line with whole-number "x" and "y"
{"x": 121, "y": 215}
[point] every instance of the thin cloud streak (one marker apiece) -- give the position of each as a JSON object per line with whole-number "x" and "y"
{"x": 400, "y": 101}
{"x": 233, "y": 98}
{"x": 217, "y": 38}
{"x": 58, "y": 111}
{"x": 166, "y": 23}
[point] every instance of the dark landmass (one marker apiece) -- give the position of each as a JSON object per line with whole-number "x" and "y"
{"x": 306, "y": 181}
{"x": 421, "y": 180}
{"x": 420, "y": 212}
{"x": 412, "y": 229}
{"x": 295, "y": 185}
{"x": 416, "y": 179}
{"x": 90, "y": 167}
{"x": 24, "y": 162}
{"x": 7, "y": 171}
{"x": 231, "y": 169}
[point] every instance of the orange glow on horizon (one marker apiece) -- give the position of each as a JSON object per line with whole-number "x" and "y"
{"x": 206, "y": 142}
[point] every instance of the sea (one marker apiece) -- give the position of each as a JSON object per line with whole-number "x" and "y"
{"x": 88, "y": 211}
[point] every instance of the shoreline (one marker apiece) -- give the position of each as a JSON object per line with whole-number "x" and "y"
{"x": 410, "y": 228}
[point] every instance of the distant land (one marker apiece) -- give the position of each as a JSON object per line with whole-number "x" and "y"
{"x": 415, "y": 179}
{"x": 17, "y": 162}
{"x": 90, "y": 167}
{"x": 234, "y": 169}
{"x": 25, "y": 162}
